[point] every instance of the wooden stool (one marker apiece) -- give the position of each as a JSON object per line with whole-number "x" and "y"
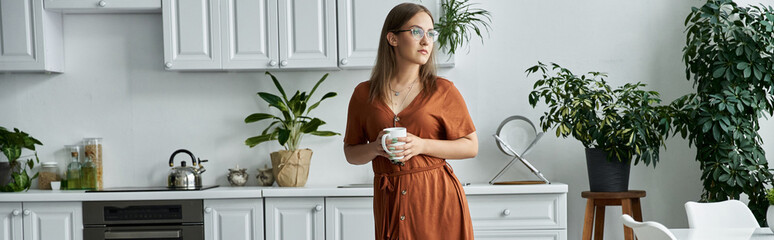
{"x": 629, "y": 202}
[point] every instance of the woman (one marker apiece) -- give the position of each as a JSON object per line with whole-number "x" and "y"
{"x": 419, "y": 198}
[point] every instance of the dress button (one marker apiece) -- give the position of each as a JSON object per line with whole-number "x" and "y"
{"x": 403, "y": 192}
{"x": 402, "y": 218}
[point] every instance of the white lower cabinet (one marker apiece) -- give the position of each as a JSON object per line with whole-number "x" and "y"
{"x": 233, "y": 219}
{"x": 519, "y": 216}
{"x": 41, "y": 220}
{"x": 297, "y": 218}
{"x": 349, "y": 218}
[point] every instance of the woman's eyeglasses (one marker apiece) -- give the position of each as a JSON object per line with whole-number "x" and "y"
{"x": 418, "y": 33}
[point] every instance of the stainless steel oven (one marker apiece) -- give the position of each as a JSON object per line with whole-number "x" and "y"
{"x": 146, "y": 220}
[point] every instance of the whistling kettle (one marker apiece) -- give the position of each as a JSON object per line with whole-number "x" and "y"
{"x": 185, "y": 177}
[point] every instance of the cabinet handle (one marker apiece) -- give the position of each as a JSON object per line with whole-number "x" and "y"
{"x": 16, "y": 212}
{"x": 168, "y": 64}
{"x": 506, "y": 212}
{"x": 102, "y": 3}
{"x": 284, "y": 63}
{"x": 344, "y": 61}
{"x": 208, "y": 210}
{"x": 27, "y": 212}
{"x": 318, "y": 207}
{"x": 272, "y": 63}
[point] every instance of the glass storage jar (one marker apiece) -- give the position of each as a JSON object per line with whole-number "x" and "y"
{"x": 49, "y": 172}
{"x": 92, "y": 149}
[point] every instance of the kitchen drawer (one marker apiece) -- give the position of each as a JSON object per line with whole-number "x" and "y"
{"x": 103, "y": 6}
{"x": 521, "y": 211}
{"x": 522, "y": 235}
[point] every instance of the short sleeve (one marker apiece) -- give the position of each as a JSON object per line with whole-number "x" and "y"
{"x": 356, "y": 131}
{"x": 456, "y": 119}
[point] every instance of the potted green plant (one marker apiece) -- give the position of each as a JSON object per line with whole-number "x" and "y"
{"x": 615, "y": 125}
{"x": 458, "y": 22}
{"x": 728, "y": 56}
{"x": 291, "y": 165}
{"x": 11, "y": 144}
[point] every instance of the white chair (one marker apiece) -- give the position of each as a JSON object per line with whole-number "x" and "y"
{"x": 725, "y": 214}
{"x": 647, "y": 230}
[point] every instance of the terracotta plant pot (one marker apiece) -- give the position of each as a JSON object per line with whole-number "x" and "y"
{"x": 291, "y": 168}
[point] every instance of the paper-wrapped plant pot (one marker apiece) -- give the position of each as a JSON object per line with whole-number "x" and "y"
{"x": 291, "y": 168}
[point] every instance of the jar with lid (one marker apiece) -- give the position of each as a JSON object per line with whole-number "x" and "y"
{"x": 49, "y": 172}
{"x": 73, "y": 171}
{"x": 92, "y": 149}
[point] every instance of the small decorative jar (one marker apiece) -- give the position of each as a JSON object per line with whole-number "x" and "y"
{"x": 237, "y": 176}
{"x": 265, "y": 176}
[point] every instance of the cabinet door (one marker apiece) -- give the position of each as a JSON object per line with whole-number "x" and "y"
{"x": 103, "y": 6}
{"x": 53, "y": 221}
{"x": 10, "y": 221}
{"x": 249, "y": 34}
{"x": 349, "y": 218}
{"x": 25, "y": 43}
{"x": 191, "y": 34}
{"x": 295, "y": 218}
{"x": 307, "y": 31}
{"x": 360, "y": 23}
{"x": 233, "y": 219}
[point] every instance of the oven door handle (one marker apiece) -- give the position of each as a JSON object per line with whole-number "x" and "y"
{"x": 142, "y": 234}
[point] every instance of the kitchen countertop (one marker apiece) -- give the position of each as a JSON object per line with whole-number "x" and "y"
{"x": 225, "y": 192}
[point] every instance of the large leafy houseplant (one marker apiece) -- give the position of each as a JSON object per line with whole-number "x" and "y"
{"x": 11, "y": 144}
{"x": 290, "y": 166}
{"x": 728, "y": 57}
{"x": 625, "y": 122}
{"x": 459, "y": 22}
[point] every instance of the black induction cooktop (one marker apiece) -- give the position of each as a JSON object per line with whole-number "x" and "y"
{"x": 149, "y": 189}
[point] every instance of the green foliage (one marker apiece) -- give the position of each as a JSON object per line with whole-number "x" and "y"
{"x": 770, "y": 196}
{"x": 728, "y": 57}
{"x": 294, "y": 122}
{"x": 458, "y": 22}
{"x": 625, "y": 122}
{"x": 11, "y": 144}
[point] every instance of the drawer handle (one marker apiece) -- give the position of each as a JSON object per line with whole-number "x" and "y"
{"x": 318, "y": 207}
{"x": 102, "y": 3}
{"x": 208, "y": 210}
{"x": 27, "y": 212}
{"x": 506, "y": 212}
{"x": 16, "y": 212}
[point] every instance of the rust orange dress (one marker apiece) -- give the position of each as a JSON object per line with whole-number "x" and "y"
{"x": 423, "y": 199}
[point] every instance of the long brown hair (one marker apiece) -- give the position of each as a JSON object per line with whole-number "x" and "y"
{"x": 385, "y": 67}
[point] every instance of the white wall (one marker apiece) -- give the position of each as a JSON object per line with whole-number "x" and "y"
{"x": 114, "y": 87}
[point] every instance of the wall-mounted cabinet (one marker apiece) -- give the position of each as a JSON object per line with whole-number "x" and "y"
{"x": 103, "y": 6}
{"x": 249, "y": 34}
{"x": 30, "y": 37}
{"x": 41, "y": 221}
{"x": 359, "y": 26}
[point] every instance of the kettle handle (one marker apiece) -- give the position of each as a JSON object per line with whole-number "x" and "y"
{"x": 172, "y": 158}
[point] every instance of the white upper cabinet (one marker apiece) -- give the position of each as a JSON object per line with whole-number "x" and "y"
{"x": 359, "y": 26}
{"x": 30, "y": 38}
{"x": 103, "y": 6}
{"x": 249, "y": 34}
{"x": 307, "y": 34}
{"x": 191, "y": 34}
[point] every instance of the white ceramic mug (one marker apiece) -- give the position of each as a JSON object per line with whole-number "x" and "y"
{"x": 56, "y": 185}
{"x": 391, "y": 133}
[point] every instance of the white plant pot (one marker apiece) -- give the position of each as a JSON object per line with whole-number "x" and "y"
{"x": 770, "y": 217}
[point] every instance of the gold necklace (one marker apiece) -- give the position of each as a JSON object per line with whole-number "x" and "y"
{"x": 395, "y": 118}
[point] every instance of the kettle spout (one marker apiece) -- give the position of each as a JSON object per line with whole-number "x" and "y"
{"x": 201, "y": 169}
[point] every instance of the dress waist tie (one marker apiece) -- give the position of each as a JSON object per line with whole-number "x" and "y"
{"x": 387, "y": 187}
